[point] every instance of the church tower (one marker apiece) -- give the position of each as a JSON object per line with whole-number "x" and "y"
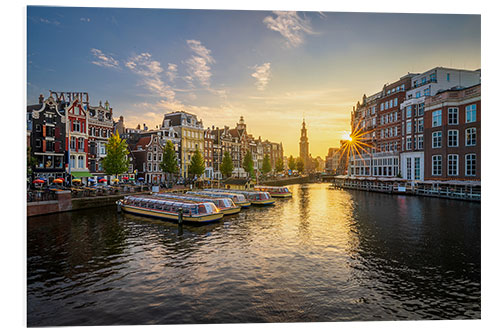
{"x": 304, "y": 144}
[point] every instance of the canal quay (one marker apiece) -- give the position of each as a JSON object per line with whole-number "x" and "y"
{"x": 324, "y": 254}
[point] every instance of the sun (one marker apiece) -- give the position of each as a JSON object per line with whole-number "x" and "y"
{"x": 346, "y": 136}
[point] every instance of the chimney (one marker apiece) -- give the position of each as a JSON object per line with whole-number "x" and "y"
{"x": 40, "y": 99}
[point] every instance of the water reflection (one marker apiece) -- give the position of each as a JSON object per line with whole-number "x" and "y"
{"x": 322, "y": 255}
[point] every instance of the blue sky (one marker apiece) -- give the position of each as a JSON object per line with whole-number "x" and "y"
{"x": 271, "y": 67}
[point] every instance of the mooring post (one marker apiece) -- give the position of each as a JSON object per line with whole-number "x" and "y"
{"x": 179, "y": 221}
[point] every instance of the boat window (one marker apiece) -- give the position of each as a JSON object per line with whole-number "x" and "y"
{"x": 202, "y": 209}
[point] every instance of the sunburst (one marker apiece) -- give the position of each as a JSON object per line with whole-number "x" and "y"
{"x": 355, "y": 144}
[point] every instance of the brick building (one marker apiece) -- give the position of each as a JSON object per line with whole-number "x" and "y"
{"x": 452, "y": 134}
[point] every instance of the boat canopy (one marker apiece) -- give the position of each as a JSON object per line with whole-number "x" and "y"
{"x": 236, "y": 197}
{"x": 254, "y": 195}
{"x": 278, "y": 189}
{"x": 219, "y": 202}
{"x": 171, "y": 206}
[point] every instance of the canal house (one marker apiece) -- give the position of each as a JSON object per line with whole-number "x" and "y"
{"x": 48, "y": 133}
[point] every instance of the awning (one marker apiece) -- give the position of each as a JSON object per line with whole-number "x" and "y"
{"x": 81, "y": 174}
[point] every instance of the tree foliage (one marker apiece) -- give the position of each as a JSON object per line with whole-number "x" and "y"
{"x": 266, "y": 164}
{"x": 226, "y": 167}
{"x": 197, "y": 164}
{"x": 248, "y": 164}
{"x": 291, "y": 163}
{"x": 279, "y": 165}
{"x": 169, "y": 162}
{"x": 115, "y": 162}
{"x": 300, "y": 165}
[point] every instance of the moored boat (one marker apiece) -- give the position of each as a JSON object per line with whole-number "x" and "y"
{"x": 258, "y": 198}
{"x": 238, "y": 198}
{"x": 275, "y": 191}
{"x": 193, "y": 212}
{"x": 225, "y": 205}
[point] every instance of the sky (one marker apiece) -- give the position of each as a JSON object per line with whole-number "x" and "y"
{"x": 272, "y": 68}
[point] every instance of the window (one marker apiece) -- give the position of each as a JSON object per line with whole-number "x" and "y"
{"x": 149, "y": 167}
{"x": 408, "y": 126}
{"x": 76, "y": 125}
{"x": 80, "y": 162}
{"x": 80, "y": 144}
{"x": 386, "y": 104}
{"x": 420, "y": 142}
{"x": 382, "y": 107}
{"x": 149, "y": 156}
{"x": 417, "y": 168}
{"x": 396, "y": 101}
{"x": 453, "y": 138}
{"x": 396, "y": 131}
{"x": 102, "y": 147}
{"x": 424, "y": 80}
{"x": 427, "y": 91}
{"x": 436, "y": 118}
{"x": 433, "y": 77}
{"x": 417, "y": 95}
{"x": 38, "y": 128}
{"x": 72, "y": 144}
{"x": 452, "y": 165}
{"x": 420, "y": 125}
{"x": 470, "y": 113}
{"x": 38, "y": 143}
{"x": 436, "y": 139}
{"x": 72, "y": 161}
{"x": 453, "y": 116}
{"x": 448, "y": 77}
{"x": 395, "y": 116}
{"x": 436, "y": 165}
{"x": 470, "y": 164}
{"x": 421, "y": 109}
{"x": 470, "y": 136}
{"x": 390, "y": 103}
{"x": 408, "y": 143}
{"x": 408, "y": 168}
{"x": 408, "y": 111}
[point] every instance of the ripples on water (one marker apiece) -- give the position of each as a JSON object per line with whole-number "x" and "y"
{"x": 323, "y": 255}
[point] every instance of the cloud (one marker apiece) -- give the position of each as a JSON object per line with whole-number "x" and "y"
{"x": 171, "y": 72}
{"x": 199, "y": 64}
{"x": 46, "y": 21}
{"x": 149, "y": 70}
{"x": 104, "y": 60}
{"x": 84, "y": 19}
{"x": 290, "y": 26}
{"x": 263, "y": 75}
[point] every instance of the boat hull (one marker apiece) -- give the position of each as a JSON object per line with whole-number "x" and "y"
{"x": 231, "y": 211}
{"x": 243, "y": 204}
{"x": 281, "y": 195}
{"x": 263, "y": 202}
{"x": 171, "y": 216}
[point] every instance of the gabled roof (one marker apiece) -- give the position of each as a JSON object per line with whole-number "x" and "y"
{"x": 143, "y": 142}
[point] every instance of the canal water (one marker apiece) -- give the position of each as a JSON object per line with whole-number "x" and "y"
{"x": 323, "y": 255}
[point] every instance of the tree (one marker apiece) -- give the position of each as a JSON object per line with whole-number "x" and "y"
{"x": 116, "y": 161}
{"x": 279, "y": 165}
{"x": 248, "y": 164}
{"x": 291, "y": 163}
{"x": 300, "y": 165}
{"x": 197, "y": 164}
{"x": 226, "y": 167}
{"x": 266, "y": 164}
{"x": 169, "y": 160}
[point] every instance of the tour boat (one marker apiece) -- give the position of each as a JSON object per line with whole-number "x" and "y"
{"x": 238, "y": 199}
{"x": 193, "y": 212}
{"x": 275, "y": 191}
{"x": 224, "y": 205}
{"x": 255, "y": 197}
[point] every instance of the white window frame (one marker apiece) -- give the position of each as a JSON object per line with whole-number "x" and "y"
{"x": 453, "y": 134}
{"x": 437, "y": 165}
{"x": 455, "y": 158}
{"x": 468, "y": 168}
{"x": 437, "y": 139}
{"x": 472, "y": 129}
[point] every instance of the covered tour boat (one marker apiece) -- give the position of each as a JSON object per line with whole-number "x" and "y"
{"x": 225, "y": 205}
{"x": 255, "y": 197}
{"x": 275, "y": 191}
{"x": 238, "y": 199}
{"x": 193, "y": 212}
